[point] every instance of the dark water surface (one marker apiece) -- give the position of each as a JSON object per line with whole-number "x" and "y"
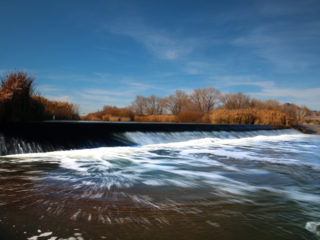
{"x": 188, "y": 185}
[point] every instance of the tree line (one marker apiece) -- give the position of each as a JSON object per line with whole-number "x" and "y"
{"x": 20, "y": 102}
{"x": 204, "y": 105}
{"x": 205, "y": 100}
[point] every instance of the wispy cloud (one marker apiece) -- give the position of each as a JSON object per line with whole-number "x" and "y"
{"x": 47, "y": 89}
{"x": 60, "y": 98}
{"x": 55, "y": 93}
{"x": 161, "y": 43}
{"x": 287, "y": 48}
{"x": 96, "y": 92}
{"x": 241, "y": 80}
{"x": 288, "y": 39}
{"x": 287, "y": 7}
{"x": 102, "y": 75}
{"x": 65, "y": 77}
{"x": 203, "y": 67}
{"x": 136, "y": 86}
{"x": 99, "y": 97}
{"x": 102, "y": 98}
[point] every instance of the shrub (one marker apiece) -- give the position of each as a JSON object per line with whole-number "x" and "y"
{"x": 228, "y": 116}
{"x": 60, "y": 110}
{"x": 114, "y": 118}
{"x": 19, "y": 103}
{"x": 111, "y": 113}
{"x": 106, "y": 117}
{"x": 15, "y": 92}
{"x": 235, "y": 101}
{"x": 90, "y": 117}
{"x": 125, "y": 119}
{"x": 156, "y": 118}
{"x": 190, "y": 116}
{"x": 251, "y": 116}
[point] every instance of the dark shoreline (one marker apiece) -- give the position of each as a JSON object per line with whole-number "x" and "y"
{"x": 308, "y": 128}
{"x": 26, "y": 137}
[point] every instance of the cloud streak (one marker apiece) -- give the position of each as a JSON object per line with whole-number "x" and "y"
{"x": 60, "y": 98}
{"x": 288, "y": 40}
{"x": 159, "y": 42}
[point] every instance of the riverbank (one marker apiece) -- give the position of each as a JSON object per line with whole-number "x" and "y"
{"x": 308, "y": 128}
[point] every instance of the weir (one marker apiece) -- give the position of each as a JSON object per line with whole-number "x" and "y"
{"x": 28, "y": 137}
{"x": 193, "y": 177}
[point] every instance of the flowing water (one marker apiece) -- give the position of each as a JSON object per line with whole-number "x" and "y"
{"x": 189, "y": 185}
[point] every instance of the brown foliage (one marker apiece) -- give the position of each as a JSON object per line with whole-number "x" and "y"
{"x": 269, "y": 104}
{"x": 178, "y": 102}
{"x": 252, "y": 116}
{"x": 190, "y": 116}
{"x": 236, "y": 101}
{"x": 16, "y": 84}
{"x": 227, "y": 116}
{"x": 90, "y": 117}
{"x": 185, "y": 116}
{"x": 205, "y": 99}
{"x": 151, "y": 105}
{"x": 156, "y": 118}
{"x": 111, "y": 113}
{"x": 18, "y": 102}
{"x": 57, "y": 110}
{"x": 15, "y": 92}
{"x": 119, "y": 112}
{"x": 201, "y": 107}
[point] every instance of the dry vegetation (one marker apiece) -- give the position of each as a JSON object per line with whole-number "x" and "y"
{"x": 156, "y": 118}
{"x": 252, "y": 116}
{"x": 204, "y": 105}
{"x": 111, "y": 113}
{"x": 60, "y": 110}
{"x": 18, "y": 101}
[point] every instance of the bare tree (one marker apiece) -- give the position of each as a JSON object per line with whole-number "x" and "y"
{"x": 272, "y": 104}
{"x": 205, "y": 99}
{"x": 268, "y": 104}
{"x": 151, "y": 105}
{"x": 139, "y": 105}
{"x": 155, "y": 105}
{"x": 163, "y": 105}
{"x": 236, "y": 101}
{"x": 177, "y": 102}
{"x": 258, "y": 104}
{"x": 302, "y": 112}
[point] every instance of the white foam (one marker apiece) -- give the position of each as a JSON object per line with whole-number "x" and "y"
{"x": 183, "y": 162}
{"x": 52, "y": 238}
{"x": 313, "y": 227}
{"x": 45, "y": 234}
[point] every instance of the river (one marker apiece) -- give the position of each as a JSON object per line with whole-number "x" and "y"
{"x": 186, "y": 185}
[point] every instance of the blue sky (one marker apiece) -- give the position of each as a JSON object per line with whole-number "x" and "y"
{"x": 94, "y": 53}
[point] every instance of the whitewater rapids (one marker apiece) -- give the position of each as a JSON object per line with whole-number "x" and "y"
{"x": 210, "y": 181}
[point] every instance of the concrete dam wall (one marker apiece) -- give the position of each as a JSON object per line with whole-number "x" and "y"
{"x": 27, "y": 137}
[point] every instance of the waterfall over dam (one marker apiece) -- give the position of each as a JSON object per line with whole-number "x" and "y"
{"x": 30, "y": 137}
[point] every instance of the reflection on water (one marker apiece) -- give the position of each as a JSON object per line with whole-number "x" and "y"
{"x": 219, "y": 185}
